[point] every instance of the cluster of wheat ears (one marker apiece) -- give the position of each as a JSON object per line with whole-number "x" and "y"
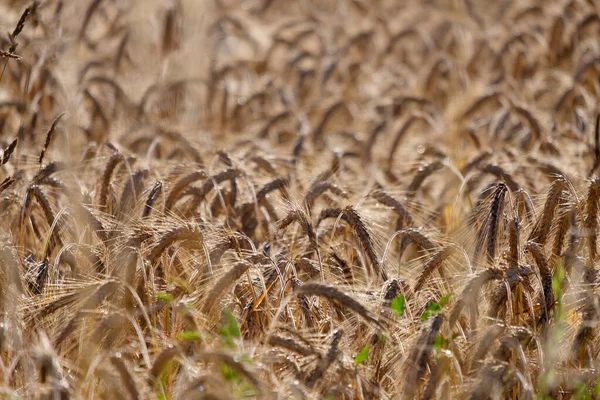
{"x": 348, "y": 199}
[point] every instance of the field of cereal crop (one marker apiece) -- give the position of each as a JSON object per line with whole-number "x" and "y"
{"x": 310, "y": 199}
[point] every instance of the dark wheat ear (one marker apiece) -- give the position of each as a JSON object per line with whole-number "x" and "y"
{"x": 417, "y": 359}
{"x": 397, "y": 206}
{"x": 469, "y": 296}
{"x": 331, "y": 213}
{"x": 432, "y": 265}
{"x": 131, "y": 191}
{"x": 484, "y": 345}
{"x": 114, "y": 160}
{"x": 562, "y": 228}
{"x": 423, "y": 173}
{"x": 291, "y": 345}
{"x": 493, "y": 220}
{"x": 326, "y": 361}
{"x": 185, "y": 232}
{"x": 591, "y": 218}
{"x": 199, "y": 194}
{"x": 514, "y": 230}
{"x": 416, "y": 237}
{"x": 335, "y": 295}
{"x": 596, "y": 145}
{"x": 89, "y": 12}
{"x": 103, "y": 292}
{"x": 161, "y": 361}
{"x": 6, "y": 183}
{"x": 475, "y": 162}
{"x": 126, "y": 377}
{"x": 49, "y": 137}
{"x": 501, "y": 174}
{"x": 545, "y": 275}
{"x": 180, "y": 185}
{"x": 583, "y": 342}
{"x": 20, "y": 25}
{"x": 377, "y": 131}
{"x": 401, "y": 134}
{"x": 318, "y": 189}
{"x": 365, "y": 241}
{"x": 280, "y": 184}
{"x": 228, "y": 279}
{"x": 8, "y": 151}
{"x": 300, "y": 217}
{"x": 44, "y": 203}
{"x": 152, "y": 196}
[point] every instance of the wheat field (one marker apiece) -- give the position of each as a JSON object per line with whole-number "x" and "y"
{"x": 311, "y": 199}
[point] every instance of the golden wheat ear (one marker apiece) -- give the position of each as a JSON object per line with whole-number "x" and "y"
{"x": 590, "y": 223}
{"x": 544, "y": 223}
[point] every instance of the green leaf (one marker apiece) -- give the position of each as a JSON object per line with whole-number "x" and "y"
{"x": 230, "y": 329}
{"x": 229, "y": 374}
{"x": 581, "y": 392}
{"x": 189, "y": 335}
{"x": 440, "y": 343}
{"x": 164, "y": 296}
{"x": 557, "y": 281}
{"x": 434, "y": 308}
{"x": 444, "y": 300}
{"x": 362, "y": 356}
{"x": 398, "y": 305}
